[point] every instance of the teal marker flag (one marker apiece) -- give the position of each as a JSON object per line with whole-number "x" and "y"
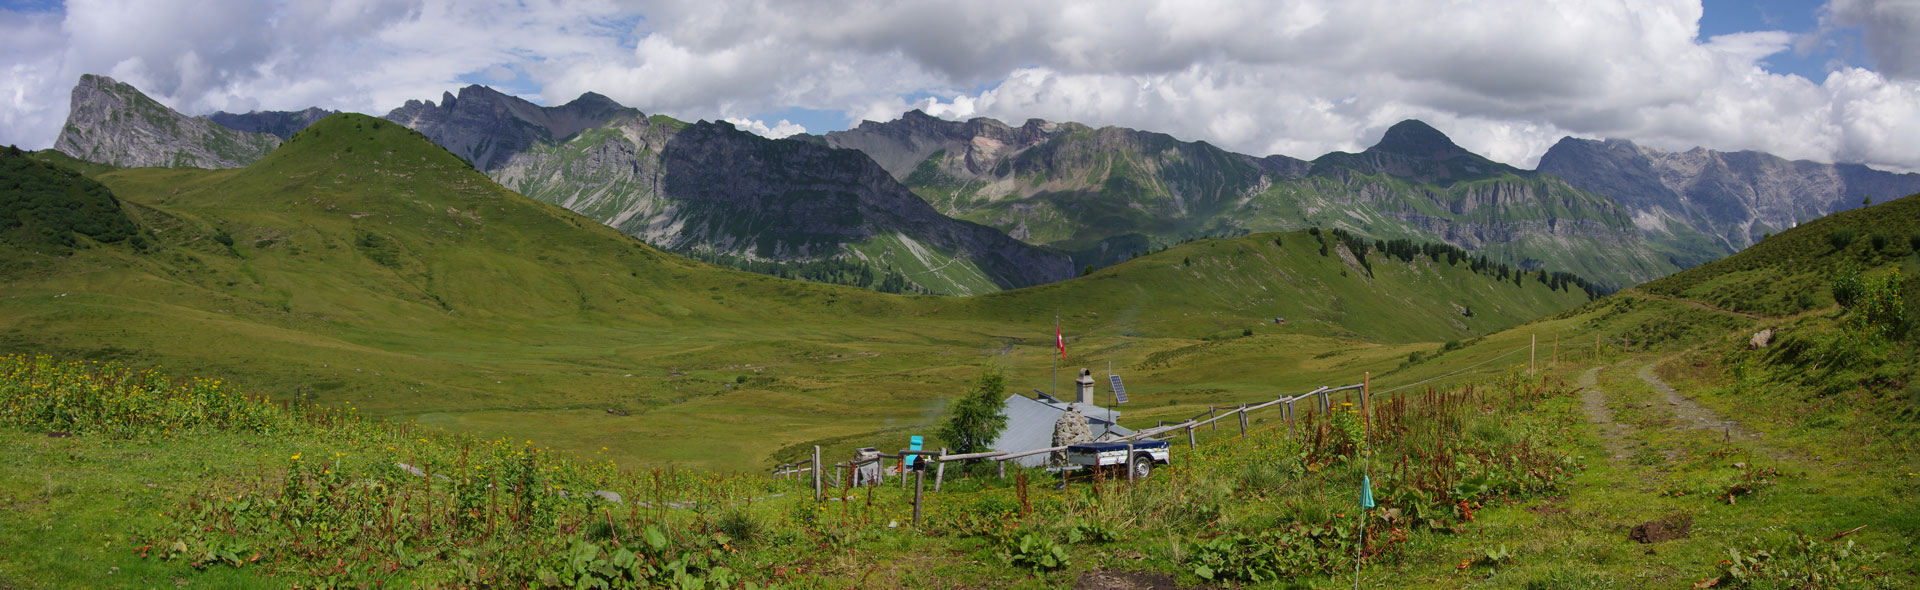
{"x": 1366, "y": 492}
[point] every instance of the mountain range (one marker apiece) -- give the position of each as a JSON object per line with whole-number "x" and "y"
{"x": 1107, "y": 194}
{"x": 962, "y": 207}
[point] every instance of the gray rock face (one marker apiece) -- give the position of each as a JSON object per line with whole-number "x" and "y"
{"x": 113, "y": 123}
{"x": 710, "y": 188}
{"x": 1734, "y": 197}
{"x": 282, "y": 124}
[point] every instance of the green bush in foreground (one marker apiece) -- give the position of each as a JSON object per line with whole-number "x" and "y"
{"x": 373, "y": 504}
{"x": 38, "y": 393}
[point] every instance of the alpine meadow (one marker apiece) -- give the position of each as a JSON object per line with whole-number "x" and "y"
{"x": 939, "y": 295}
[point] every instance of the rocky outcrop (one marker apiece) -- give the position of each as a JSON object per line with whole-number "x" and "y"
{"x": 112, "y": 123}
{"x": 1734, "y": 197}
{"x": 282, "y": 124}
{"x": 708, "y": 187}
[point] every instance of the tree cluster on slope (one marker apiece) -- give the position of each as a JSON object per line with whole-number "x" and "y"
{"x": 833, "y": 271}
{"x": 1406, "y": 250}
{"x": 47, "y": 204}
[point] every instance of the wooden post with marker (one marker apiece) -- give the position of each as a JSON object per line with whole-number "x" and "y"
{"x": 919, "y": 482}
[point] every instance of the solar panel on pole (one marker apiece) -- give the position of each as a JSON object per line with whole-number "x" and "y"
{"x": 1119, "y": 392}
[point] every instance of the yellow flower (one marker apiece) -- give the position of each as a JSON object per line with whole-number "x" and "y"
{"x": 296, "y": 456}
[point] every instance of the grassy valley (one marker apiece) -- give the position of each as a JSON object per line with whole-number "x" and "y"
{"x": 363, "y": 266}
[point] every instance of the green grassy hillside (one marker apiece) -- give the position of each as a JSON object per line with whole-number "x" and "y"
{"x": 361, "y": 264}
{"x": 1654, "y": 448}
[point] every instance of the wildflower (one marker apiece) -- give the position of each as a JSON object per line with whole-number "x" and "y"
{"x": 296, "y": 456}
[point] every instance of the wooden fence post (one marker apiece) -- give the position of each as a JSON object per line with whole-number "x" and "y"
{"x": 818, "y": 492}
{"x": 1286, "y": 415}
{"x": 1243, "y": 419}
{"x": 1532, "y": 357}
{"x": 919, "y": 481}
{"x": 1210, "y": 416}
{"x": 940, "y": 471}
{"x": 1001, "y": 466}
{"x": 1556, "y": 351}
{"x": 1190, "y": 444}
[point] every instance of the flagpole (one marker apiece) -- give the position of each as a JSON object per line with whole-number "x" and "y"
{"x": 1054, "y": 389}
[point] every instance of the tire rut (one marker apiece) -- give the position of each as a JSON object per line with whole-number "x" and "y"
{"x": 1690, "y": 413}
{"x": 1612, "y": 434}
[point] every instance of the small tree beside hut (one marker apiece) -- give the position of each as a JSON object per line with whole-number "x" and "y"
{"x": 975, "y": 420}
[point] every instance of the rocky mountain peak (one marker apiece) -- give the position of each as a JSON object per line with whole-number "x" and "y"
{"x": 112, "y": 122}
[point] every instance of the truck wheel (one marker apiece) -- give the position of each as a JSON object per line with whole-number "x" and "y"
{"x": 1142, "y": 466}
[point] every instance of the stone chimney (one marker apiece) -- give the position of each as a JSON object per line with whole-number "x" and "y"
{"x": 1084, "y": 387}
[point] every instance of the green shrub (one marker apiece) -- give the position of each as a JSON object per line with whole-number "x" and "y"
{"x": 1913, "y": 241}
{"x": 1880, "y": 240}
{"x": 1840, "y": 237}
{"x": 1803, "y": 300}
{"x": 740, "y": 525}
{"x": 1036, "y": 552}
{"x": 1847, "y": 286}
{"x": 1880, "y": 308}
{"x": 1803, "y": 563}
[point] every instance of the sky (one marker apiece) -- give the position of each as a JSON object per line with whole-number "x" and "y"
{"x": 1827, "y": 80}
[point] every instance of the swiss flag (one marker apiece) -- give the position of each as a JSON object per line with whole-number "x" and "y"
{"x": 1060, "y": 341}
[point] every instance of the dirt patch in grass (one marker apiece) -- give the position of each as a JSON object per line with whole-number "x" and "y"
{"x": 1677, "y": 526}
{"x": 1129, "y": 581}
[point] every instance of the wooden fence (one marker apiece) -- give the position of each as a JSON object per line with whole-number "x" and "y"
{"x": 825, "y": 478}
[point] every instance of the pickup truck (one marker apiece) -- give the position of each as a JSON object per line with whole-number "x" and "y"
{"x": 1145, "y": 454}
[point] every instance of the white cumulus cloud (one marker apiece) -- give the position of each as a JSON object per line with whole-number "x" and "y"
{"x": 1506, "y": 78}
